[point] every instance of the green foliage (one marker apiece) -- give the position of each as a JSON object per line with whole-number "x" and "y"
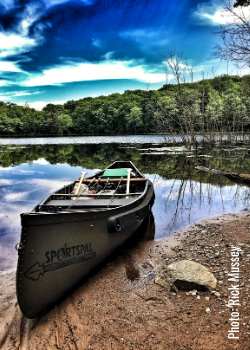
{"x": 222, "y": 103}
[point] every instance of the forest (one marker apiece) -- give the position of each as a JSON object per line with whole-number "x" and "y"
{"x": 221, "y": 104}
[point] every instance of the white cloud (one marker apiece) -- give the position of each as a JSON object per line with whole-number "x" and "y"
{"x": 145, "y": 37}
{"x": 139, "y": 33}
{"x": 57, "y": 2}
{"x": 108, "y": 55}
{"x": 22, "y": 93}
{"x": 95, "y": 71}
{"x": 17, "y": 171}
{"x": 14, "y": 44}
{"x": 8, "y": 4}
{"x": 96, "y": 42}
{"x": 48, "y": 185}
{"x": 214, "y": 14}
{"x": 41, "y": 161}
{"x": 4, "y": 83}
{"x": 38, "y": 105}
{"x": 5, "y": 182}
{"x": 6, "y": 169}
{"x": 9, "y": 67}
{"x": 16, "y": 197}
{"x": 173, "y": 62}
{"x": 4, "y": 98}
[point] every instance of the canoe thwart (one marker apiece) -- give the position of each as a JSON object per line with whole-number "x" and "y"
{"x": 114, "y": 180}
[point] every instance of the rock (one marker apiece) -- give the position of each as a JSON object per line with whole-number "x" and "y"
{"x": 192, "y": 292}
{"x": 187, "y": 275}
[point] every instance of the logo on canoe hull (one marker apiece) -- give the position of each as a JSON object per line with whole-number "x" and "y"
{"x": 63, "y": 257}
{"x": 68, "y": 252}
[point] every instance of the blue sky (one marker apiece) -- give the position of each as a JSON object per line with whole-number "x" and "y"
{"x": 52, "y": 51}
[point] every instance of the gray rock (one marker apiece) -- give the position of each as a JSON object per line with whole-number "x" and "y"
{"x": 187, "y": 275}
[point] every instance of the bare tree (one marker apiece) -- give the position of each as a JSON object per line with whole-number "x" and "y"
{"x": 235, "y": 33}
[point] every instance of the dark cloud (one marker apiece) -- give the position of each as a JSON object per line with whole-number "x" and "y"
{"x": 73, "y": 29}
{"x": 10, "y": 18}
{"x": 85, "y": 30}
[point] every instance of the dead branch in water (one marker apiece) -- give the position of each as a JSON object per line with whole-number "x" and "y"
{"x": 236, "y": 177}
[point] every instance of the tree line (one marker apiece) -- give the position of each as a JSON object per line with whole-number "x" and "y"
{"x": 221, "y": 104}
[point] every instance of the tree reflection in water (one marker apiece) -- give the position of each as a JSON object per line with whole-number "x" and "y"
{"x": 183, "y": 194}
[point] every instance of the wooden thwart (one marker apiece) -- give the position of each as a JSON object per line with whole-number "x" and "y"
{"x": 102, "y": 195}
{"x": 112, "y": 180}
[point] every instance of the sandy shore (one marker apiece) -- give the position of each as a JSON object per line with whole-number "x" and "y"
{"x": 120, "y": 306}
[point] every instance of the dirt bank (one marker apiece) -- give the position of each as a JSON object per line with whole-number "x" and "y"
{"x": 120, "y": 307}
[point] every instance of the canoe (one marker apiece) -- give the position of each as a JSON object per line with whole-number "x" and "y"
{"x": 73, "y": 230}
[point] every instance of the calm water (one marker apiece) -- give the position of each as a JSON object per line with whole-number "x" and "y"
{"x": 140, "y": 139}
{"x": 31, "y": 169}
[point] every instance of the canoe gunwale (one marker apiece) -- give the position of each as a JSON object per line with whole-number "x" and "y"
{"x": 44, "y": 218}
{"x": 129, "y": 218}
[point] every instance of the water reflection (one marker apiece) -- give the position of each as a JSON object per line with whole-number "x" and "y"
{"x": 183, "y": 202}
{"x": 21, "y": 188}
{"x": 140, "y": 139}
{"x": 184, "y": 195}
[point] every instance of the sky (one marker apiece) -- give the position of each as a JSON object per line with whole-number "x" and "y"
{"x": 52, "y": 51}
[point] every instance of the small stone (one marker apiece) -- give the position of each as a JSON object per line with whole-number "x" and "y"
{"x": 207, "y": 309}
{"x": 192, "y": 292}
{"x": 207, "y": 298}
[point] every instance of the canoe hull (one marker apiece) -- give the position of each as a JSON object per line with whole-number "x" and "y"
{"x": 60, "y": 244}
{"x": 58, "y": 250}
{"x": 59, "y": 257}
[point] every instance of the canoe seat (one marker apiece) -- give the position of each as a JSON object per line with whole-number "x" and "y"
{"x": 93, "y": 203}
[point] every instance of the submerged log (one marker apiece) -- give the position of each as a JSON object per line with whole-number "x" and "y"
{"x": 236, "y": 177}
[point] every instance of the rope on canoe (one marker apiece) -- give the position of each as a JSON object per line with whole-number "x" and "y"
{"x": 86, "y": 188}
{"x": 112, "y": 198}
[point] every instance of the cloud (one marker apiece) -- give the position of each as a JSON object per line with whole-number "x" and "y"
{"x": 16, "y": 36}
{"x": 25, "y": 93}
{"x": 212, "y": 13}
{"x": 13, "y": 44}
{"x": 59, "y": 2}
{"x": 103, "y": 70}
{"x": 41, "y": 161}
{"x": 8, "y": 4}
{"x": 16, "y": 197}
{"x": 18, "y": 171}
{"x": 6, "y": 66}
{"x": 146, "y": 37}
{"x": 137, "y": 34}
{"x": 48, "y": 185}
{"x": 96, "y": 42}
{"x": 38, "y": 105}
{"x": 5, "y": 182}
{"x": 4, "y": 98}
{"x": 12, "y": 94}
{"x": 4, "y": 82}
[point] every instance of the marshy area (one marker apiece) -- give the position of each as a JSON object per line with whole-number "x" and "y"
{"x": 120, "y": 306}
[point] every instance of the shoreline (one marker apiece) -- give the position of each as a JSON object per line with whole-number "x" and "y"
{"x": 120, "y": 307}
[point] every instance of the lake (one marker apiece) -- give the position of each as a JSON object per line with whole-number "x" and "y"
{"x": 32, "y": 168}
